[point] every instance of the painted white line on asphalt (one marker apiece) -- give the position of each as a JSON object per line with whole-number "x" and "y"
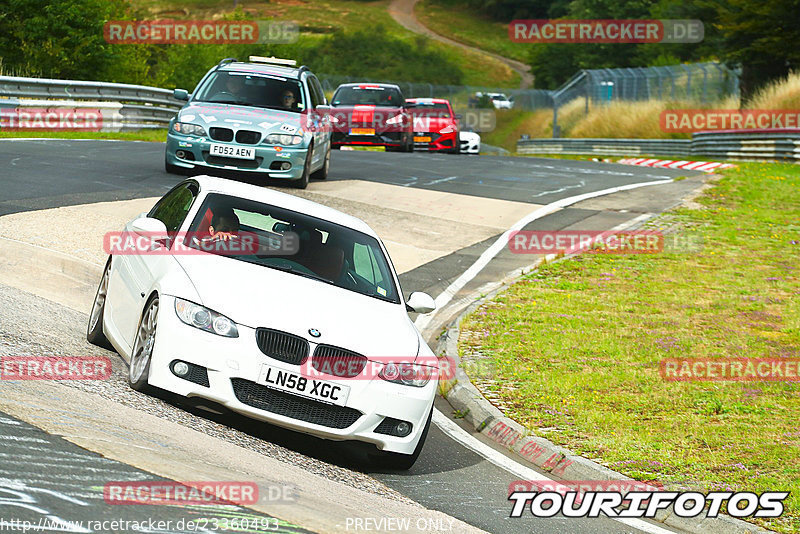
{"x": 497, "y": 458}
{"x": 524, "y": 473}
{"x": 582, "y": 183}
{"x": 441, "y": 180}
{"x": 488, "y": 255}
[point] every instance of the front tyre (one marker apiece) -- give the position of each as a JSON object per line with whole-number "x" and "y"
{"x": 403, "y": 462}
{"x": 409, "y": 146}
{"x": 302, "y": 182}
{"x": 142, "y": 353}
{"x": 94, "y": 332}
{"x": 322, "y": 173}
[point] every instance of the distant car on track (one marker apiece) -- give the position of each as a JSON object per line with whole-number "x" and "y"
{"x": 371, "y": 114}
{"x": 498, "y": 100}
{"x": 264, "y": 116}
{"x": 435, "y": 124}
{"x": 470, "y": 142}
{"x": 315, "y": 337}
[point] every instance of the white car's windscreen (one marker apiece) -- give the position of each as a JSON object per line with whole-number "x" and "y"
{"x": 323, "y": 250}
{"x": 251, "y": 89}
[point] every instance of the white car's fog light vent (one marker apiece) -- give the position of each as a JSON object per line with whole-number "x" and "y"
{"x": 282, "y": 346}
{"x": 337, "y": 361}
{"x": 191, "y": 372}
{"x": 394, "y": 427}
{"x": 288, "y": 405}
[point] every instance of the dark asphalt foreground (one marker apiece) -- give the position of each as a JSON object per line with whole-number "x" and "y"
{"x": 447, "y": 477}
{"x": 48, "y": 484}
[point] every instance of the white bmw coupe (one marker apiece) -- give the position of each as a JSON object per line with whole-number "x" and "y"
{"x": 310, "y": 333}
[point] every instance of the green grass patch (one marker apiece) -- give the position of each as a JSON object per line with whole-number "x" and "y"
{"x": 512, "y": 123}
{"x": 577, "y": 346}
{"x": 156, "y": 136}
{"x": 460, "y": 23}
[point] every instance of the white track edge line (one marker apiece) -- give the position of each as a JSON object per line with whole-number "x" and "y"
{"x": 525, "y": 473}
{"x": 489, "y": 254}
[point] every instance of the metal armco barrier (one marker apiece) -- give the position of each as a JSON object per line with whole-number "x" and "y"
{"x": 123, "y": 106}
{"x": 609, "y": 147}
{"x": 749, "y": 145}
{"x": 781, "y": 145}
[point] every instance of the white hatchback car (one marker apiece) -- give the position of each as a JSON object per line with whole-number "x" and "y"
{"x": 311, "y": 333}
{"x": 470, "y": 142}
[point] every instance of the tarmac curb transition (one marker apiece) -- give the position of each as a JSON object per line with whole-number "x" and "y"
{"x": 527, "y": 448}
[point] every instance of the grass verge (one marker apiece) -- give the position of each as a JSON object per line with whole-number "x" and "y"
{"x": 452, "y": 19}
{"x": 577, "y": 346}
{"x": 511, "y": 124}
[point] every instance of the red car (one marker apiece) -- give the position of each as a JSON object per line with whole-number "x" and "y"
{"x": 435, "y": 124}
{"x": 371, "y": 114}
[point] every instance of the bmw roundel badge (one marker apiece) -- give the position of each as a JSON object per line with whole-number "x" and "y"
{"x": 314, "y": 332}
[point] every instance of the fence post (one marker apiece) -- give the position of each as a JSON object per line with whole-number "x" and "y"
{"x": 705, "y": 83}
{"x": 556, "y": 129}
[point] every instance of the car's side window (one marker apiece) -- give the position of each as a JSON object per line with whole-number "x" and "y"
{"x": 173, "y": 208}
{"x": 312, "y": 93}
{"x": 317, "y": 88}
{"x": 365, "y": 265}
{"x": 362, "y": 263}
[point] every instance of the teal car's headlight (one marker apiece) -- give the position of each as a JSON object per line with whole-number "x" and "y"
{"x": 187, "y": 128}
{"x": 205, "y": 319}
{"x": 283, "y": 139}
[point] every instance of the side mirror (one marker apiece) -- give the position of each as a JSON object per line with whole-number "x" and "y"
{"x": 150, "y": 228}
{"x": 420, "y": 302}
{"x": 180, "y": 94}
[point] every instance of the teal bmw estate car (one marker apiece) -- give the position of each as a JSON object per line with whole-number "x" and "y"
{"x": 265, "y": 116}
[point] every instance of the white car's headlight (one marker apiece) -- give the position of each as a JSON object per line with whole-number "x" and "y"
{"x": 189, "y": 129}
{"x": 397, "y": 119}
{"x": 408, "y": 374}
{"x": 283, "y": 139}
{"x": 205, "y": 319}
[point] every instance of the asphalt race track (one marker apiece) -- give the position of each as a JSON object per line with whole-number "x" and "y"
{"x": 51, "y": 173}
{"x": 41, "y": 174}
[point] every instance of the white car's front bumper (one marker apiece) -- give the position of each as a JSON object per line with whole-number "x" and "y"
{"x": 227, "y": 359}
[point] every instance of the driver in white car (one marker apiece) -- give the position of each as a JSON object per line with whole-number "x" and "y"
{"x": 224, "y": 225}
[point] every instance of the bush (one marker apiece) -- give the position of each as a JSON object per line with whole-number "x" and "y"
{"x": 64, "y": 39}
{"x": 374, "y": 55}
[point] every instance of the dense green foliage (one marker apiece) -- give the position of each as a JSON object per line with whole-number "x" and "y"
{"x": 64, "y": 39}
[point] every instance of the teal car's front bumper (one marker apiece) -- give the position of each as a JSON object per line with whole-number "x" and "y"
{"x": 191, "y": 152}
